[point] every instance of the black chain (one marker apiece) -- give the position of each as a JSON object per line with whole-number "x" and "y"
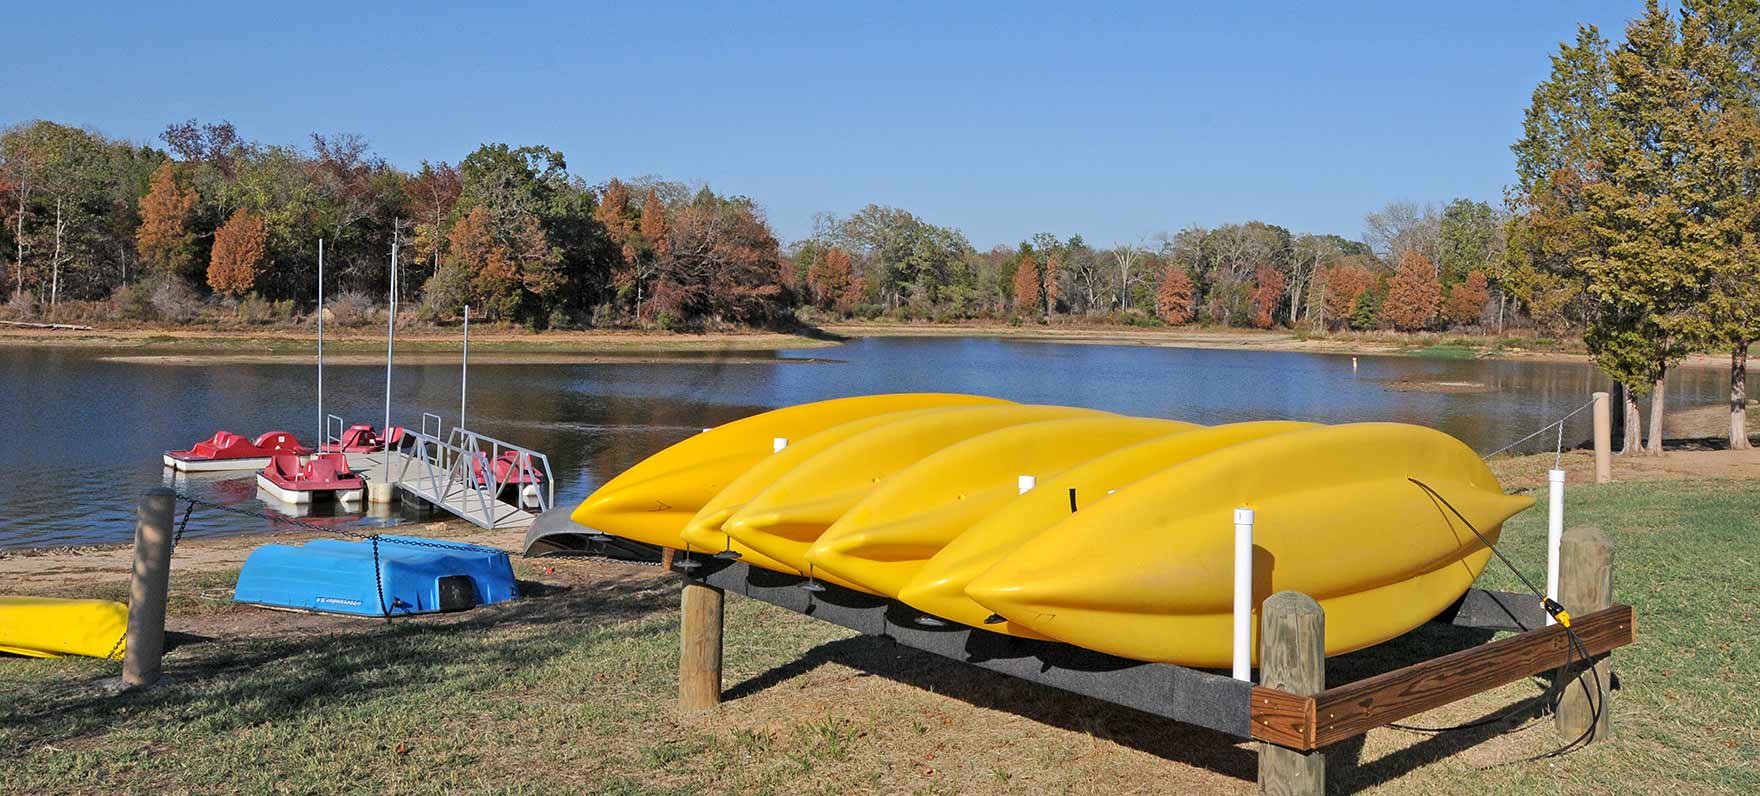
{"x": 374, "y": 538}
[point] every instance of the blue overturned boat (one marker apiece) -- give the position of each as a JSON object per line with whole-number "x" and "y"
{"x": 415, "y": 576}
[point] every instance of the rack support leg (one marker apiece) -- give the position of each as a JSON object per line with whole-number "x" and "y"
{"x": 1292, "y": 658}
{"x": 1585, "y": 585}
{"x": 699, "y": 659}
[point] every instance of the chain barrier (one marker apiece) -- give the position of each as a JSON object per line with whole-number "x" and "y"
{"x": 1559, "y": 451}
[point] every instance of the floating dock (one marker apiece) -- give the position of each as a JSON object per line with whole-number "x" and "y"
{"x": 441, "y": 472}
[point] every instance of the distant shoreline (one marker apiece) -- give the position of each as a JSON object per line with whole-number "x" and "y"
{"x": 207, "y": 345}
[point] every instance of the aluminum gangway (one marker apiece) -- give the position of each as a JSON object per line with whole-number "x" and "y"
{"x": 458, "y": 473}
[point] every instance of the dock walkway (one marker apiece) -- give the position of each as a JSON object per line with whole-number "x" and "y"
{"x": 433, "y": 484}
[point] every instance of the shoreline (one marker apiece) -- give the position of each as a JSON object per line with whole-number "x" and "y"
{"x": 201, "y": 345}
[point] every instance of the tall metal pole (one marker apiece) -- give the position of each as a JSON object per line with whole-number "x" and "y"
{"x": 320, "y": 345}
{"x": 390, "y": 334}
{"x": 464, "y": 367}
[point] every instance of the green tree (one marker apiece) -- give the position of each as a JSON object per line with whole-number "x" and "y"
{"x": 1470, "y": 237}
{"x": 1731, "y": 162}
{"x": 1654, "y": 232}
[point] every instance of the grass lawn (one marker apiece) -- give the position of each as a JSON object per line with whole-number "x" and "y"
{"x": 570, "y": 691}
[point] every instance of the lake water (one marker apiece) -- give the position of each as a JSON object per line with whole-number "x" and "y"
{"x": 83, "y": 435}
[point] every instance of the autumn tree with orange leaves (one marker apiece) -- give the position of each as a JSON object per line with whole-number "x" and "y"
{"x": 240, "y": 246}
{"x": 1413, "y": 294}
{"x": 829, "y": 279}
{"x": 656, "y": 233}
{"x": 1346, "y": 283}
{"x": 164, "y": 241}
{"x": 1467, "y": 299}
{"x": 1268, "y": 286}
{"x": 1176, "y": 301}
{"x": 1028, "y": 296}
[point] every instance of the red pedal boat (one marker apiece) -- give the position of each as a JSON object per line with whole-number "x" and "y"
{"x": 509, "y": 470}
{"x": 361, "y": 438}
{"x": 325, "y": 475}
{"x": 229, "y": 451}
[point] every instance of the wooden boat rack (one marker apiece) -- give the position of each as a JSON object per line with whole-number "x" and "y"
{"x": 1289, "y": 710}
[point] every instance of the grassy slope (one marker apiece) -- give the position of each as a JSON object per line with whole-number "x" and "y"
{"x": 571, "y": 691}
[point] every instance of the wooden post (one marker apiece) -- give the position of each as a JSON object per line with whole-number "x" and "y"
{"x": 1292, "y": 658}
{"x": 147, "y": 585}
{"x": 699, "y": 658}
{"x": 1603, "y": 414}
{"x": 1585, "y": 585}
{"x": 666, "y": 554}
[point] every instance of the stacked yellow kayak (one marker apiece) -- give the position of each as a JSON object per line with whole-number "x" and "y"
{"x": 45, "y": 627}
{"x": 1109, "y": 532}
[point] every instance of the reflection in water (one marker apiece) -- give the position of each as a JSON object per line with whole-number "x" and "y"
{"x": 84, "y": 435}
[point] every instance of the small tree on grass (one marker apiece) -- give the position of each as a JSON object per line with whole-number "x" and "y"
{"x": 240, "y": 246}
{"x": 1028, "y": 296}
{"x": 829, "y": 278}
{"x": 163, "y": 239}
{"x": 1466, "y": 300}
{"x": 1175, "y": 301}
{"x": 1412, "y": 294}
{"x": 1268, "y": 286}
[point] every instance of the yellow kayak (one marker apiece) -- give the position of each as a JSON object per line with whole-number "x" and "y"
{"x": 703, "y": 532}
{"x": 939, "y": 587}
{"x": 1147, "y": 573}
{"x": 45, "y": 627}
{"x": 652, "y": 501}
{"x": 784, "y": 520}
{"x": 881, "y": 542}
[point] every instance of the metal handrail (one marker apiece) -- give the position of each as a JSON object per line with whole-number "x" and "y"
{"x": 462, "y": 467}
{"x": 330, "y": 437}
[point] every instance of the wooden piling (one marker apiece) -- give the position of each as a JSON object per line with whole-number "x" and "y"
{"x": 699, "y": 659}
{"x": 1585, "y": 585}
{"x": 148, "y": 582}
{"x": 1603, "y": 414}
{"x": 1292, "y": 658}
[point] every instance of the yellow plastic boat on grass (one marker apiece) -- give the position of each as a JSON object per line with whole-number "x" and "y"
{"x": 44, "y": 627}
{"x": 1147, "y": 573}
{"x": 881, "y": 542}
{"x": 652, "y": 501}
{"x": 784, "y": 520}
{"x": 703, "y": 532}
{"x": 939, "y": 587}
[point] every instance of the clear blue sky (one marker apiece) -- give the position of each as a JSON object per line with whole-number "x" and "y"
{"x": 1001, "y": 119}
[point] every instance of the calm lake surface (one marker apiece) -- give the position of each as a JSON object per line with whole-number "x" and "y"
{"x": 84, "y": 435}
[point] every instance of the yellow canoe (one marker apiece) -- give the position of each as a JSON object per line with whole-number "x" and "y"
{"x": 652, "y": 501}
{"x": 784, "y": 520}
{"x": 881, "y": 542}
{"x": 1147, "y": 573}
{"x": 45, "y": 627}
{"x": 939, "y": 587}
{"x": 703, "y": 532}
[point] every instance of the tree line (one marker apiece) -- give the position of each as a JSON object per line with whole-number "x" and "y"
{"x": 210, "y": 217}
{"x": 1632, "y": 221}
{"x": 214, "y": 219}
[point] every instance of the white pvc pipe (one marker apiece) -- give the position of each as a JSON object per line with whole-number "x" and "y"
{"x": 1026, "y": 483}
{"x": 776, "y": 445}
{"x": 1243, "y": 594}
{"x": 1554, "y": 533}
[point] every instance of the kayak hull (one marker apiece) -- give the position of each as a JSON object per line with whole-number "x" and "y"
{"x": 653, "y": 501}
{"x": 45, "y": 627}
{"x": 1345, "y": 514}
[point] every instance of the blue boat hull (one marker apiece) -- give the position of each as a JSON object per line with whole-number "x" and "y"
{"x": 335, "y": 576}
